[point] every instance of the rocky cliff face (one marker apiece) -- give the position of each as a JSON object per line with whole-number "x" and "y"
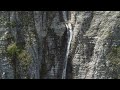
{"x": 59, "y": 44}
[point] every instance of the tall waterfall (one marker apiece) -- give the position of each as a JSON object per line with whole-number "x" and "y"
{"x": 69, "y": 34}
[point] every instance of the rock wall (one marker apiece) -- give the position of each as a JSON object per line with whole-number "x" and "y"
{"x": 46, "y": 49}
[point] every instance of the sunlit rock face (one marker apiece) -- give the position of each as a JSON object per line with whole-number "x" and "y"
{"x": 96, "y": 35}
{"x": 59, "y": 44}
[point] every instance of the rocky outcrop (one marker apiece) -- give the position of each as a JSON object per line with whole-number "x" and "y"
{"x": 59, "y": 44}
{"x": 96, "y": 33}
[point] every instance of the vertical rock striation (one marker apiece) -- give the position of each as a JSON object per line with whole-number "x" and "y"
{"x": 59, "y": 44}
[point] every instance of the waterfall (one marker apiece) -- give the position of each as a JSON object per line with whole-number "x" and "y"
{"x": 69, "y": 34}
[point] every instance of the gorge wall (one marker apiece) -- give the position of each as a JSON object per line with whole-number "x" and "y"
{"x": 59, "y": 45}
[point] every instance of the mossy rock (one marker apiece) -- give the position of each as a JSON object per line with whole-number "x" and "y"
{"x": 114, "y": 55}
{"x": 114, "y": 59}
{"x": 24, "y": 58}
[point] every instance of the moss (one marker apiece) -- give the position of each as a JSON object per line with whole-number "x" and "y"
{"x": 12, "y": 49}
{"x": 24, "y": 58}
{"x": 22, "y": 55}
{"x": 114, "y": 58}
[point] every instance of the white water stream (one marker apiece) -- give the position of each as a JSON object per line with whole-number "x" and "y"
{"x": 69, "y": 33}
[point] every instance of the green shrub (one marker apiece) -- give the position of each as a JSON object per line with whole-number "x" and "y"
{"x": 24, "y": 58}
{"x": 22, "y": 55}
{"x": 12, "y": 49}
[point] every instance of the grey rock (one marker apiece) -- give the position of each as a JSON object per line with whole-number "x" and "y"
{"x": 55, "y": 53}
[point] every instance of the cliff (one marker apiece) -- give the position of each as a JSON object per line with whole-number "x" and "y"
{"x": 59, "y": 44}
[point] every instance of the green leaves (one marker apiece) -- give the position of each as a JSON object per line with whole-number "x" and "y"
{"x": 12, "y": 49}
{"x": 24, "y": 58}
{"x": 22, "y": 55}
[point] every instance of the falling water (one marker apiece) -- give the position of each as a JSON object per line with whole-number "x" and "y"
{"x": 69, "y": 33}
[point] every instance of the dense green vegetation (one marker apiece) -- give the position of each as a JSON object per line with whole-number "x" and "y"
{"x": 22, "y": 55}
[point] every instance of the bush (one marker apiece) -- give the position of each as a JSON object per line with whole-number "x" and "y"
{"x": 22, "y": 55}
{"x": 12, "y": 49}
{"x": 24, "y": 58}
